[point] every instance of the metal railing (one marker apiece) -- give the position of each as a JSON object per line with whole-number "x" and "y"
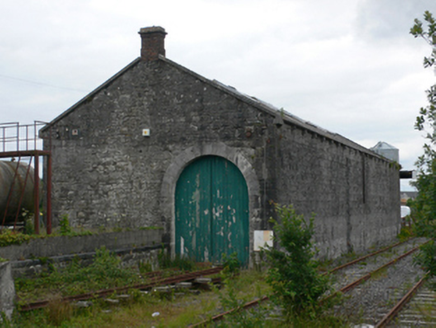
{"x": 15, "y": 137}
{"x": 22, "y": 143}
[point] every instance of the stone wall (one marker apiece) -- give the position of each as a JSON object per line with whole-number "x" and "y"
{"x": 106, "y": 173}
{"x": 352, "y": 194}
{"x": 64, "y": 245}
{"x": 129, "y": 257}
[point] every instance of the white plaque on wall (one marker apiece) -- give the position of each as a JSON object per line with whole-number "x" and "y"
{"x": 262, "y": 238}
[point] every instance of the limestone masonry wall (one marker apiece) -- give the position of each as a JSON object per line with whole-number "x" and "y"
{"x": 106, "y": 173}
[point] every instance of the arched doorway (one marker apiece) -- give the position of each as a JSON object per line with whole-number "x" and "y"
{"x": 211, "y": 211}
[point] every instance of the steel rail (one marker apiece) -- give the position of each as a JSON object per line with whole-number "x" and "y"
{"x": 366, "y": 277}
{"x": 221, "y": 316}
{"x": 366, "y": 256}
{"x": 255, "y": 302}
{"x": 155, "y": 281}
{"x": 399, "y": 306}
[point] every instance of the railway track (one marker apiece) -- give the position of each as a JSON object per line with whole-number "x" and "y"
{"x": 348, "y": 278}
{"x": 419, "y": 312}
{"x": 388, "y": 305}
{"x": 387, "y": 289}
{"x": 155, "y": 280}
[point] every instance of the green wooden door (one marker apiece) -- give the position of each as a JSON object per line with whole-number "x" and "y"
{"x": 211, "y": 211}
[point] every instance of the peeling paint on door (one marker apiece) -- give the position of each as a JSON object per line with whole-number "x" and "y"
{"x": 212, "y": 194}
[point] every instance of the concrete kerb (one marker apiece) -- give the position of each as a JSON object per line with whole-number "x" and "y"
{"x": 65, "y": 245}
{"x": 7, "y": 290}
{"x": 32, "y": 266}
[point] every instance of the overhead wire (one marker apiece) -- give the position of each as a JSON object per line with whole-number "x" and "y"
{"x": 41, "y": 83}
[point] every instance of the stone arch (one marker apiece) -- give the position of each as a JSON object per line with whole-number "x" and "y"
{"x": 182, "y": 160}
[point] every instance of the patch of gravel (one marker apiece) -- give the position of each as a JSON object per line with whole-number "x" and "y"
{"x": 369, "y": 302}
{"x": 354, "y": 272}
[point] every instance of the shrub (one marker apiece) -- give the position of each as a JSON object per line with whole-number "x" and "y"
{"x": 293, "y": 274}
{"x": 8, "y": 237}
{"x": 231, "y": 265}
{"x": 426, "y": 257}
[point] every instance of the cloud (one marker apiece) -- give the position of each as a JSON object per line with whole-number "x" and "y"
{"x": 348, "y": 66}
{"x": 387, "y": 19}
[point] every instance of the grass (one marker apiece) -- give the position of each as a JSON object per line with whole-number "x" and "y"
{"x": 177, "y": 311}
{"x": 105, "y": 272}
{"x": 380, "y": 274}
{"x": 174, "y": 311}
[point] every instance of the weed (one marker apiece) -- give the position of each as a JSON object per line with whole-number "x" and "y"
{"x": 145, "y": 267}
{"x": 150, "y": 228}
{"x": 58, "y": 311}
{"x": 105, "y": 272}
{"x": 64, "y": 225}
{"x": 230, "y": 301}
{"x": 379, "y": 274}
{"x": 8, "y": 237}
{"x": 426, "y": 257}
{"x": 294, "y": 275}
{"x": 181, "y": 262}
{"x": 405, "y": 233}
{"x": 231, "y": 265}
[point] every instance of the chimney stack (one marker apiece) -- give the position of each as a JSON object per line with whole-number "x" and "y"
{"x": 153, "y": 42}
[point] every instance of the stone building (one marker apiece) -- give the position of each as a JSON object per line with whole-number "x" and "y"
{"x": 159, "y": 145}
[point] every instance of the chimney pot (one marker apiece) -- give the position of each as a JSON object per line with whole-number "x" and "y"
{"x": 153, "y": 42}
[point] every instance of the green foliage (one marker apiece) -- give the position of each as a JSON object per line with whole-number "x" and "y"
{"x": 293, "y": 274}
{"x": 105, "y": 272}
{"x": 181, "y": 262}
{"x": 229, "y": 300}
{"x": 145, "y": 267}
{"x": 405, "y": 233}
{"x": 151, "y": 228}
{"x": 58, "y": 312}
{"x": 9, "y": 237}
{"x": 424, "y": 206}
{"x": 426, "y": 258}
{"x": 231, "y": 265}
{"x": 29, "y": 228}
{"x": 64, "y": 225}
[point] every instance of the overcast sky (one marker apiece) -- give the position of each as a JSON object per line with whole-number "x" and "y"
{"x": 348, "y": 66}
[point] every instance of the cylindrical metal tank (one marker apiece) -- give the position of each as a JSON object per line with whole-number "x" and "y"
{"x": 22, "y": 190}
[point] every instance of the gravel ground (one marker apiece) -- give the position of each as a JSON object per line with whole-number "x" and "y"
{"x": 354, "y": 272}
{"x": 369, "y": 302}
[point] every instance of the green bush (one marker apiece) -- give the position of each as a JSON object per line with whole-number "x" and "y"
{"x": 426, "y": 257}
{"x": 293, "y": 274}
{"x": 9, "y": 237}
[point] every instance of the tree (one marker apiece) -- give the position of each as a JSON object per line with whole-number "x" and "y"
{"x": 425, "y": 204}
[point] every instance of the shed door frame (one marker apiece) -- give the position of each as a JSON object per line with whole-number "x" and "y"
{"x": 178, "y": 164}
{"x": 212, "y": 211}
